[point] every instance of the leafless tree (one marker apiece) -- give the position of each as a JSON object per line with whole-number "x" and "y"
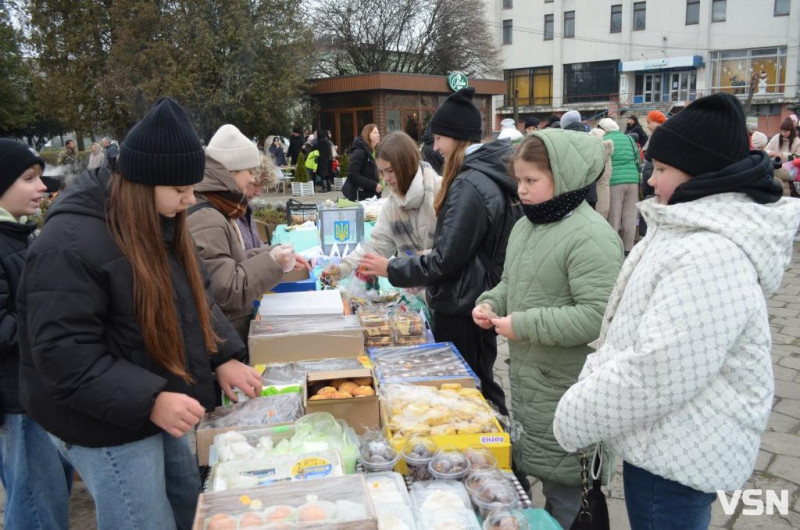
{"x": 415, "y": 36}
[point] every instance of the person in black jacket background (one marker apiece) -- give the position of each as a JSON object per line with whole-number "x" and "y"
{"x": 36, "y": 479}
{"x": 633, "y": 127}
{"x": 325, "y": 161}
{"x": 296, "y": 142}
{"x": 476, "y": 209}
{"x": 362, "y": 173}
{"x": 118, "y": 330}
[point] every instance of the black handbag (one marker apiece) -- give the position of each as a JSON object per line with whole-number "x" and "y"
{"x": 593, "y": 514}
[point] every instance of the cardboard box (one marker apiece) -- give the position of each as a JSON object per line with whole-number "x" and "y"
{"x": 280, "y": 340}
{"x": 258, "y": 502}
{"x": 498, "y": 442}
{"x": 296, "y": 281}
{"x": 290, "y": 406}
{"x": 361, "y": 413}
{"x": 302, "y": 303}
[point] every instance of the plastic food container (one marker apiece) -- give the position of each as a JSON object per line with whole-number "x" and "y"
{"x": 503, "y": 519}
{"x": 377, "y": 454}
{"x": 418, "y": 452}
{"x": 480, "y": 477}
{"x": 449, "y": 464}
{"x": 480, "y": 457}
{"x": 494, "y": 495}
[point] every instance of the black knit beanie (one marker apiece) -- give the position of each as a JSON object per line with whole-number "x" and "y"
{"x": 163, "y": 149}
{"x": 706, "y": 136}
{"x": 458, "y": 117}
{"x": 15, "y": 158}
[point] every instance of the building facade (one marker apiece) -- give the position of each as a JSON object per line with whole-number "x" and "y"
{"x": 607, "y": 57}
{"x": 392, "y": 101}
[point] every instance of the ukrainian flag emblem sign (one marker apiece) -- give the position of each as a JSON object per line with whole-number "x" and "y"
{"x": 341, "y": 231}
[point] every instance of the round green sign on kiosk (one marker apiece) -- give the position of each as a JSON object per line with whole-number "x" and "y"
{"x": 457, "y": 80}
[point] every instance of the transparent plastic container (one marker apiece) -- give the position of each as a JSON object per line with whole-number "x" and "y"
{"x": 494, "y": 495}
{"x": 418, "y": 452}
{"x": 504, "y": 519}
{"x": 480, "y": 477}
{"x": 377, "y": 454}
{"x": 480, "y": 457}
{"x": 449, "y": 464}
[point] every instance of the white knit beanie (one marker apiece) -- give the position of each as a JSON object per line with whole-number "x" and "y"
{"x": 233, "y": 150}
{"x": 759, "y": 141}
{"x": 608, "y": 125}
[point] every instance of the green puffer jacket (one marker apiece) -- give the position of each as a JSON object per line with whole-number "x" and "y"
{"x": 556, "y": 282}
{"x": 623, "y": 160}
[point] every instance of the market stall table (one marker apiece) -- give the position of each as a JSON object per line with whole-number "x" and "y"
{"x": 304, "y": 238}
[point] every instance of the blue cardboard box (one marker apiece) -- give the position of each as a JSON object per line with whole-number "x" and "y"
{"x": 297, "y": 281}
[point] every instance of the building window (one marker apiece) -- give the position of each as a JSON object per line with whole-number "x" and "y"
{"x": 718, "y": 8}
{"x": 616, "y": 18}
{"x": 548, "y": 1}
{"x": 508, "y": 4}
{"x": 569, "y": 24}
{"x": 731, "y": 71}
{"x": 639, "y": 16}
{"x": 548, "y": 27}
{"x": 782, "y": 7}
{"x": 533, "y": 86}
{"x": 595, "y": 81}
{"x": 507, "y": 30}
{"x": 692, "y": 12}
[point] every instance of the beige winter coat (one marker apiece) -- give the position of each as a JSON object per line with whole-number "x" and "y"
{"x": 406, "y": 224}
{"x": 238, "y": 276}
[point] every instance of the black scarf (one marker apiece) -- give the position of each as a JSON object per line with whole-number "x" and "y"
{"x": 556, "y": 208}
{"x": 752, "y": 176}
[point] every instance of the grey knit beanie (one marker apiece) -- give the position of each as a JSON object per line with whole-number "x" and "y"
{"x": 233, "y": 150}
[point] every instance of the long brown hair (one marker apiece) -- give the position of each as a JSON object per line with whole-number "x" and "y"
{"x": 134, "y": 224}
{"x": 365, "y": 132}
{"x": 402, "y": 153}
{"x": 452, "y": 167}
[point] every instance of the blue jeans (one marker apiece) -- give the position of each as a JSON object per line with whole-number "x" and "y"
{"x": 150, "y": 483}
{"x": 37, "y": 480}
{"x": 656, "y": 503}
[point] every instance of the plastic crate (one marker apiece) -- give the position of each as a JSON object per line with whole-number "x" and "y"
{"x": 298, "y": 213}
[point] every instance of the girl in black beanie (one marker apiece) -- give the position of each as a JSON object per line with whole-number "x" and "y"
{"x": 476, "y": 208}
{"x": 119, "y": 333}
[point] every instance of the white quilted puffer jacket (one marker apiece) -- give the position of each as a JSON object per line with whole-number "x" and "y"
{"x": 681, "y": 383}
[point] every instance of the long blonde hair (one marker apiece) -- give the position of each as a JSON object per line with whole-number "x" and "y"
{"x": 453, "y": 165}
{"x": 134, "y": 224}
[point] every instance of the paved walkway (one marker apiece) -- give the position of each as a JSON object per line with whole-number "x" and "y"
{"x": 778, "y": 464}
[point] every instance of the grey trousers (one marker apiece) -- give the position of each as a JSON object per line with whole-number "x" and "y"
{"x": 623, "y": 215}
{"x": 562, "y": 502}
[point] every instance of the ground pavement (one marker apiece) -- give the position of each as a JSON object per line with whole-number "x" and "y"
{"x": 778, "y": 464}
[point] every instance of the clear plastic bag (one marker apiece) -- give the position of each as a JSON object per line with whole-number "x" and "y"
{"x": 269, "y": 410}
{"x": 426, "y": 362}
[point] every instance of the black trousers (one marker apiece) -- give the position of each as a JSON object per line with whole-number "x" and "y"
{"x": 477, "y": 346}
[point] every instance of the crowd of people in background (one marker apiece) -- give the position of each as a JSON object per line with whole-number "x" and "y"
{"x": 609, "y": 260}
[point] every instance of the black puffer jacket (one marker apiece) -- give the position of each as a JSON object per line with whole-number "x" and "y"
{"x": 641, "y": 136}
{"x": 362, "y": 173}
{"x": 472, "y": 230}
{"x": 85, "y": 373}
{"x": 14, "y": 241}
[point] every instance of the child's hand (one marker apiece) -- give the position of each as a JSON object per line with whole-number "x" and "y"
{"x": 481, "y": 315}
{"x": 176, "y": 413}
{"x": 236, "y": 374}
{"x": 503, "y": 327}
